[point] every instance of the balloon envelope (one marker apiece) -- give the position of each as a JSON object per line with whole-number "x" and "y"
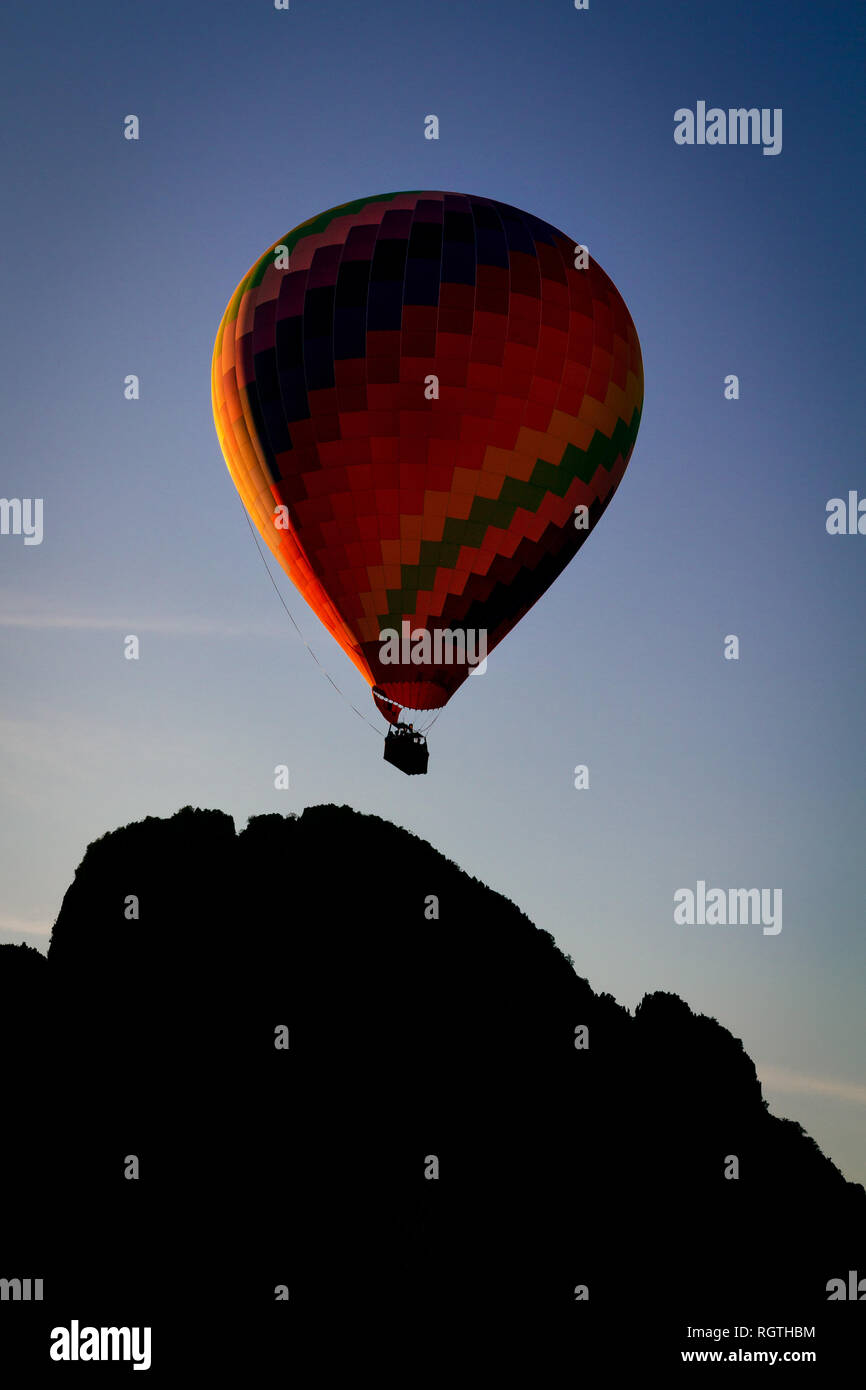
{"x": 426, "y": 406}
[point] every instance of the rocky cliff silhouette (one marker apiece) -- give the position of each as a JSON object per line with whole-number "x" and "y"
{"x": 411, "y": 1037}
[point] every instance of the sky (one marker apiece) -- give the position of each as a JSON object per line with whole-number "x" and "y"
{"x": 120, "y": 257}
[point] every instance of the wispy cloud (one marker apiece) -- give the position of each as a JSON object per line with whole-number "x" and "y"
{"x": 168, "y": 625}
{"x": 797, "y": 1083}
{"x": 23, "y": 926}
{"x": 15, "y": 931}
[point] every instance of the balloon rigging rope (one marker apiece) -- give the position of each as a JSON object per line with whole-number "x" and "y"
{"x": 328, "y": 677}
{"x": 377, "y": 732}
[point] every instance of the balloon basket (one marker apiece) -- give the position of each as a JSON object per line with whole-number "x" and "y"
{"x": 406, "y": 749}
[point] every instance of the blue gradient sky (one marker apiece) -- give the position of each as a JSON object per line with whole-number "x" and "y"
{"x": 120, "y": 257}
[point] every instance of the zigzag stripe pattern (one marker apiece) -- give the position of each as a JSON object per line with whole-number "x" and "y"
{"x": 449, "y": 508}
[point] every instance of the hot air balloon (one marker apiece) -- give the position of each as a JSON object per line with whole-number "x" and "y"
{"x": 426, "y": 401}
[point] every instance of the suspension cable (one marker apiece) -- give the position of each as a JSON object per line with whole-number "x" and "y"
{"x": 328, "y": 677}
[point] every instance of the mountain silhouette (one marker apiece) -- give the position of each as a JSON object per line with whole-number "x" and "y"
{"x": 431, "y": 1148}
